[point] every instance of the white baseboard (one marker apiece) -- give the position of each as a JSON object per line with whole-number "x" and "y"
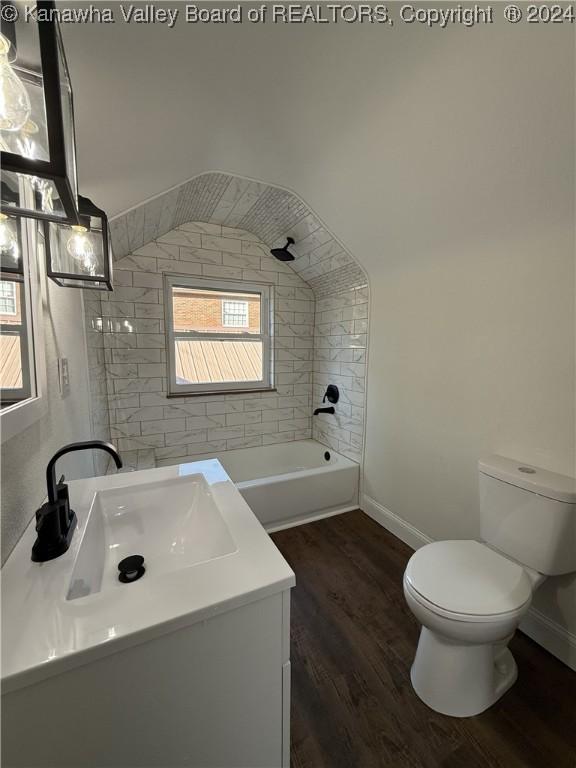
{"x": 557, "y": 640}
{"x": 400, "y": 528}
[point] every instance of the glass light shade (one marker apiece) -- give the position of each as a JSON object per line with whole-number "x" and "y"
{"x": 80, "y": 256}
{"x": 14, "y": 100}
{"x": 39, "y": 177}
{"x": 10, "y": 245}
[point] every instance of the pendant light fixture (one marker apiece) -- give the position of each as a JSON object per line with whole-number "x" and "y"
{"x": 10, "y": 245}
{"x": 80, "y": 255}
{"x": 39, "y": 177}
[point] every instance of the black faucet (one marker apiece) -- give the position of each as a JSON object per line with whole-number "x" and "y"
{"x": 332, "y": 395}
{"x": 324, "y": 410}
{"x": 55, "y": 521}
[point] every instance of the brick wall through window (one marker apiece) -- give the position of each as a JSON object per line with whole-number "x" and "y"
{"x": 204, "y": 311}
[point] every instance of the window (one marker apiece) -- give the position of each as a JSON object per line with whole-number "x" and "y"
{"x": 235, "y": 314}
{"x": 22, "y": 362}
{"x": 219, "y": 335}
{"x": 7, "y": 298}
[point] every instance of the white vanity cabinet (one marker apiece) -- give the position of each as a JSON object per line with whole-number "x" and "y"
{"x": 216, "y": 693}
{"x": 188, "y": 667}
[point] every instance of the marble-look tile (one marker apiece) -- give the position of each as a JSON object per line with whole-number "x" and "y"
{"x": 232, "y": 195}
{"x": 244, "y": 442}
{"x": 201, "y": 255}
{"x": 136, "y": 263}
{"x": 179, "y": 267}
{"x": 187, "y": 437}
{"x": 311, "y": 351}
{"x": 119, "y": 237}
{"x": 250, "y": 196}
{"x": 181, "y": 237}
{"x": 202, "y": 228}
{"x": 135, "y": 226}
{"x": 239, "y": 234}
{"x": 228, "y": 244}
{"x": 166, "y": 219}
{"x": 146, "y": 280}
{"x": 244, "y": 260}
{"x": 152, "y": 212}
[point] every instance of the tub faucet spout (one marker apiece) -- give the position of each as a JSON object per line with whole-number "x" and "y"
{"x": 325, "y": 410}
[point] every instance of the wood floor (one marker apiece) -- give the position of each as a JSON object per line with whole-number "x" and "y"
{"x": 353, "y": 640}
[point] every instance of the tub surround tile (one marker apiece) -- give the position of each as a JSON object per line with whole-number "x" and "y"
{"x": 187, "y": 437}
{"x": 220, "y": 207}
{"x": 134, "y": 343}
{"x": 99, "y": 406}
{"x": 221, "y": 226}
{"x": 213, "y": 243}
{"x": 181, "y": 237}
{"x": 246, "y": 442}
{"x": 203, "y": 228}
{"x": 201, "y": 255}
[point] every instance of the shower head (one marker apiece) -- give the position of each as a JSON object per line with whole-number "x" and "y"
{"x": 283, "y": 254}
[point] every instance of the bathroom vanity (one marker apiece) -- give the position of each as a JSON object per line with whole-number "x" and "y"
{"x": 186, "y": 666}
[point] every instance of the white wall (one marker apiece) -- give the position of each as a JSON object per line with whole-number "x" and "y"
{"x": 444, "y": 161}
{"x": 472, "y": 348}
{"x": 24, "y": 457}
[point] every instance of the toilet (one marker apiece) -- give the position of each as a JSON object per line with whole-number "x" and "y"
{"x": 470, "y": 596}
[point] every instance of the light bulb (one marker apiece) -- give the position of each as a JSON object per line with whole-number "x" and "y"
{"x": 14, "y": 100}
{"x": 80, "y": 248}
{"x": 25, "y": 144}
{"x": 8, "y": 240}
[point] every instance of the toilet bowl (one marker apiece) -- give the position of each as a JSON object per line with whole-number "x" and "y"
{"x": 469, "y": 599}
{"x": 470, "y": 596}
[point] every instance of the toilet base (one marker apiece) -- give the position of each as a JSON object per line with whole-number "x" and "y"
{"x": 461, "y": 680}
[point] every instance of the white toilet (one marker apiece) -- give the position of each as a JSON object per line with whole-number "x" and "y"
{"x": 471, "y": 596}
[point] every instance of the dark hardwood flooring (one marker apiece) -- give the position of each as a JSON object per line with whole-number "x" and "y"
{"x": 353, "y": 641}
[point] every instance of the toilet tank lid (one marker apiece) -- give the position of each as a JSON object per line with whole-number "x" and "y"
{"x": 533, "y": 479}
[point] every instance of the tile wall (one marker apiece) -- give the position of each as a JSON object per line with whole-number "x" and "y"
{"x": 340, "y": 337}
{"x": 151, "y": 429}
{"x": 99, "y": 413}
{"x": 323, "y": 268}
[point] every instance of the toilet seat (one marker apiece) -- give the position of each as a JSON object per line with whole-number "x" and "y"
{"x": 467, "y": 581}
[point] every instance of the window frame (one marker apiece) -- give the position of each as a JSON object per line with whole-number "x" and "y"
{"x": 266, "y": 292}
{"x": 18, "y": 416}
{"x": 18, "y": 395}
{"x": 235, "y": 314}
{"x": 9, "y": 281}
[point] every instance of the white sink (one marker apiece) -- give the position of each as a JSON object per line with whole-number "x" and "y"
{"x": 173, "y": 523}
{"x": 204, "y": 553}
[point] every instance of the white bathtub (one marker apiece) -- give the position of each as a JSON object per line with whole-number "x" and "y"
{"x": 290, "y": 483}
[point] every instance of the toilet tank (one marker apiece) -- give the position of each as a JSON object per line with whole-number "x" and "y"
{"x": 529, "y": 514}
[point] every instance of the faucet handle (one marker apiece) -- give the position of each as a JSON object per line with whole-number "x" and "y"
{"x": 332, "y": 394}
{"x": 41, "y": 515}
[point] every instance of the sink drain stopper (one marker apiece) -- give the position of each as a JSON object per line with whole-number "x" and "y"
{"x": 131, "y": 569}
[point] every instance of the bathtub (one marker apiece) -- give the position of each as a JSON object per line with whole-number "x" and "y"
{"x": 291, "y": 483}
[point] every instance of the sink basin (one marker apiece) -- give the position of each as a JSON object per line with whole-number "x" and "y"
{"x": 173, "y": 524}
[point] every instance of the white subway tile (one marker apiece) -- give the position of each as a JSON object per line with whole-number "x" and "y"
{"x": 215, "y": 243}
{"x": 248, "y": 417}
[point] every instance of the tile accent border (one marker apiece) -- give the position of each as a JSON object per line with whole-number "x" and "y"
{"x": 269, "y": 212}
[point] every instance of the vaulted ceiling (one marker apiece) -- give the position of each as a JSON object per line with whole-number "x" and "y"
{"x": 269, "y": 212}
{"x": 387, "y": 133}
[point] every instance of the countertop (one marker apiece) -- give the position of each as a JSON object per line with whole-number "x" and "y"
{"x": 44, "y": 634}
